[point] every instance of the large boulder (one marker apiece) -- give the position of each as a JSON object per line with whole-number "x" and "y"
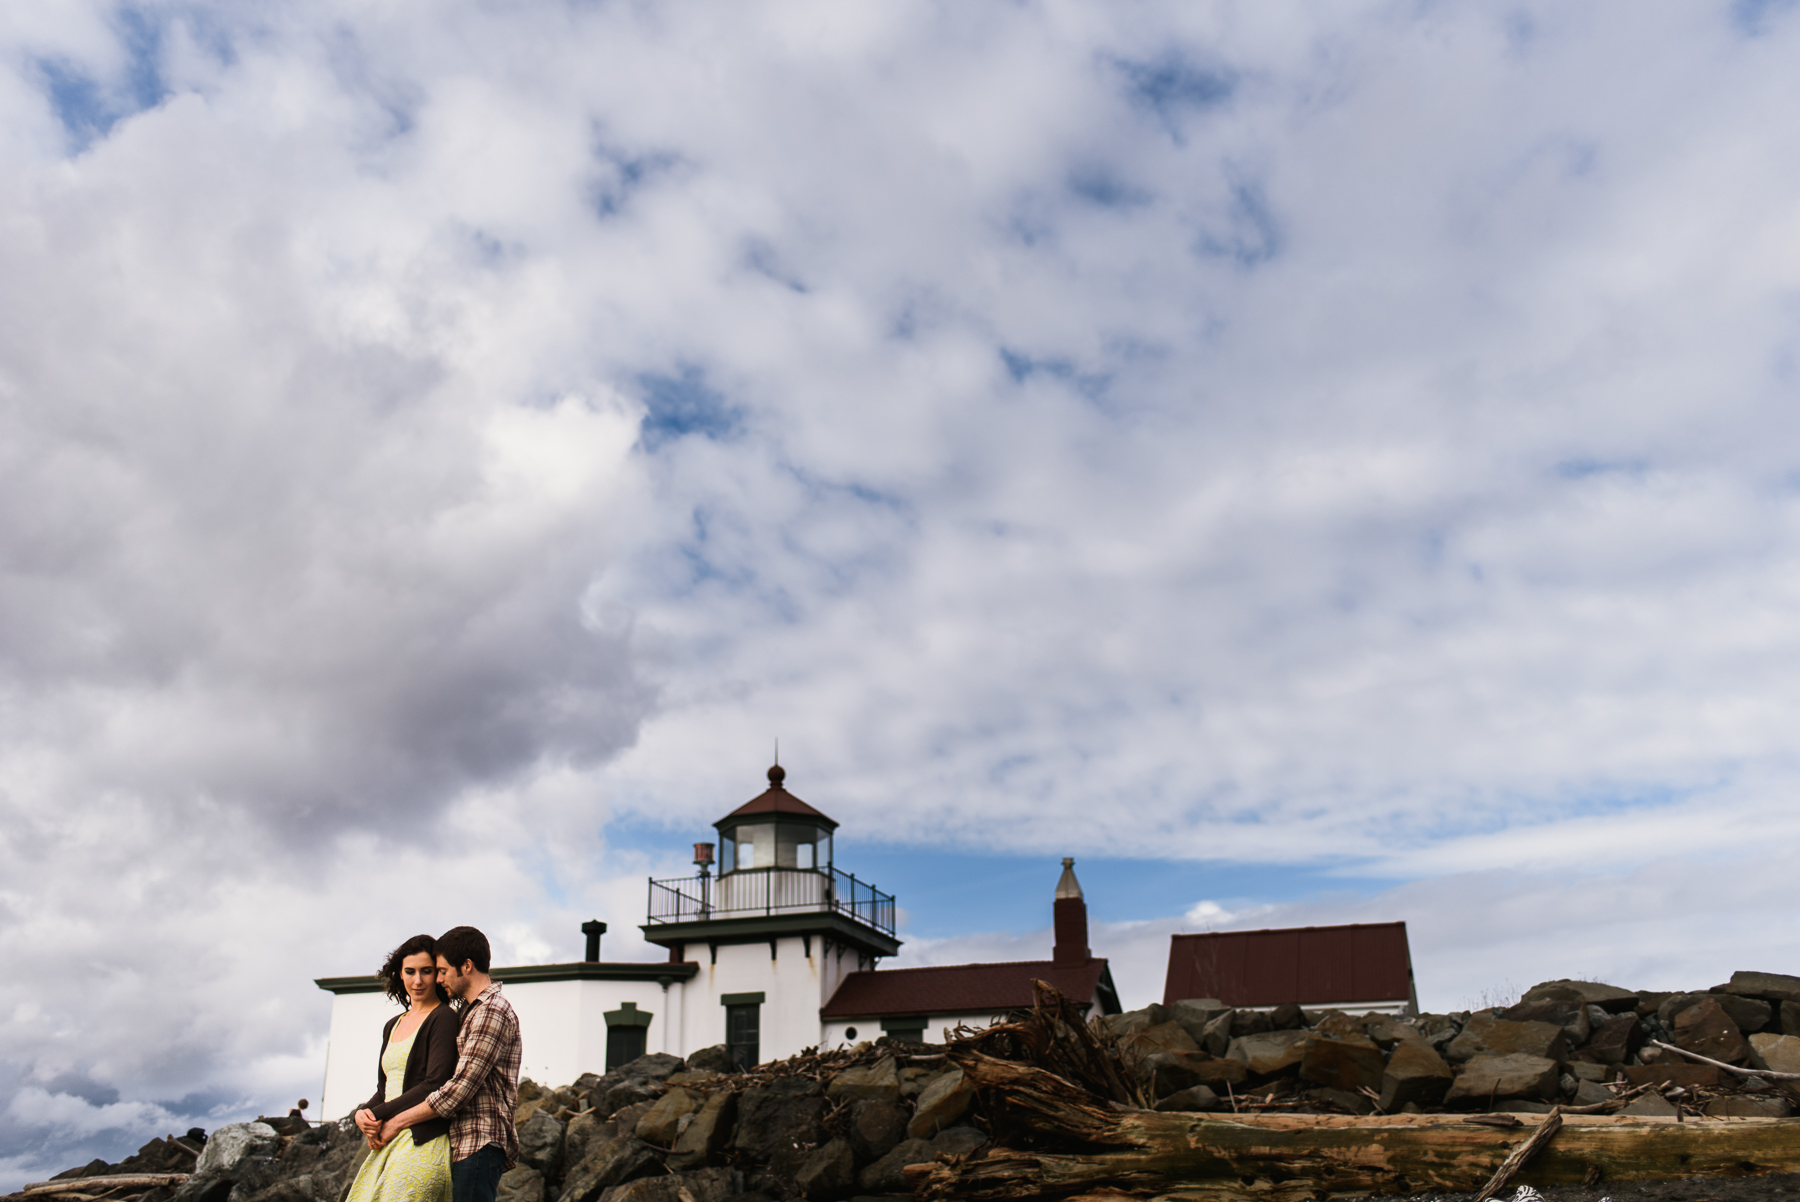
{"x": 700, "y": 1185}
{"x": 1615, "y": 1041}
{"x": 707, "y": 1134}
{"x": 1171, "y": 1072}
{"x": 716, "y": 1059}
{"x": 612, "y": 1162}
{"x": 876, "y": 1127}
{"x": 1485, "y": 1035}
{"x": 1514, "y": 1075}
{"x": 1665, "y": 1073}
{"x": 1750, "y": 1014}
{"x": 661, "y": 1124}
{"x": 329, "y": 1154}
{"x": 1571, "y": 1016}
{"x": 1769, "y": 986}
{"x": 1271, "y": 1052}
{"x": 942, "y": 1103}
{"x": 1609, "y": 998}
{"x": 1251, "y": 1022}
{"x": 1414, "y": 1074}
{"x": 232, "y": 1144}
{"x": 1198, "y": 1097}
{"x": 888, "y": 1175}
{"x": 786, "y": 1112}
{"x": 541, "y": 1144}
{"x": 1194, "y": 1013}
{"x": 1346, "y": 1064}
{"x": 862, "y": 1081}
{"x": 521, "y": 1183}
{"x": 828, "y": 1171}
{"x": 1163, "y": 1037}
{"x": 1386, "y": 1030}
{"x": 1706, "y": 1030}
{"x": 1215, "y": 1037}
{"x": 582, "y": 1131}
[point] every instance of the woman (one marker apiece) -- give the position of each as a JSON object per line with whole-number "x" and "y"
{"x": 418, "y": 1054}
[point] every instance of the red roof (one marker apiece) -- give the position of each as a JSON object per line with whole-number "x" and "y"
{"x": 1364, "y": 962}
{"x": 776, "y": 800}
{"x": 963, "y": 988}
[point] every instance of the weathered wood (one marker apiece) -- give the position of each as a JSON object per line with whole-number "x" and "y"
{"x": 1296, "y": 1156}
{"x": 1516, "y": 1159}
{"x": 67, "y": 1185}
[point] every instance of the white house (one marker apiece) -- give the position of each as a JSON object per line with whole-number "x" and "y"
{"x": 776, "y": 954}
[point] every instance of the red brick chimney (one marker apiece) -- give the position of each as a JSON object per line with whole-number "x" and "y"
{"x": 1071, "y": 919}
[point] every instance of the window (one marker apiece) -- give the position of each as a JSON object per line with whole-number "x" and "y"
{"x": 743, "y": 1027}
{"x": 623, "y": 1045}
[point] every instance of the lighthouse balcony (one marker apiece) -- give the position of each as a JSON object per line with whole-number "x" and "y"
{"x": 753, "y": 892}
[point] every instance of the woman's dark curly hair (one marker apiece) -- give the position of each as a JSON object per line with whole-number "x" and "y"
{"x": 396, "y": 988}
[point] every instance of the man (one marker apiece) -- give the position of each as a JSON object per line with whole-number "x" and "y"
{"x": 479, "y": 1099}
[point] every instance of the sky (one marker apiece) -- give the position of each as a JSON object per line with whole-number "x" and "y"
{"x": 1311, "y": 463}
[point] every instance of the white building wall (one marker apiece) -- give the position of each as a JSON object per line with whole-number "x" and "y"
{"x": 837, "y": 1030}
{"x": 791, "y": 984}
{"x": 353, "y": 1051}
{"x": 562, "y": 1024}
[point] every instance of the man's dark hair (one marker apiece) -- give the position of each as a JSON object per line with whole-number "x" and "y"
{"x": 396, "y": 987}
{"x": 460, "y": 944}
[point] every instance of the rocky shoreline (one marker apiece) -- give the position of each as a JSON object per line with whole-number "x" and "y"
{"x": 848, "y": 1124}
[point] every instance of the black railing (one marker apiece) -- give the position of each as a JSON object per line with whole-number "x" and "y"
{"x": 770, "y": 891}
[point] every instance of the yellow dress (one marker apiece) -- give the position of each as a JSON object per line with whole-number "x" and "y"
{"x": 403, "y": 1171}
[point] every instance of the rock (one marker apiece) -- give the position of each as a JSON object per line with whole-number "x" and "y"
{"x": 521, "y": 1183}
{"x": 1124, "y": 1024}
{"x": 829, "y": 1171}
{"x": 701, "y": 1185}
{"x": 1485, "y": 1035}
{"x": 1340, "y": 1099}
{"x": 1585, "y": 1070}
{"x": 786, "y": 1112}
{"x": 876, "y": 1127}
{"x": 1196, "y": 1097}
{"x": 1778, "y": 1052}
{"x": 1512, "y": 1075}
{"x": 582, "y": 1130}
{"x": 1171, "y": 1072}
{"x": 716, "y": 1059}
{"x": 880, "y": 1080}
{"x": 1650, "y": 1106}
{"x": 1164, "y": 1037}
{"x": 1415, "y": 1075}
{"x": 661, "y": 1124}
{"x": 614, "y": 1162}
{"x": 1789, "y": 1017}
{"x": 541, "y": 1144}
{"x": 1590, "y": 1093}
{"x": 1671, "y": 1072}
{"x": 1750, "y": 1014}
{"x": 915, "y": 1080}
{"x": 330, "y": 1155}
{"x": 1749, "y": 1106}
{"x": 1439, "y": 1029}
{"x": 1616, "y": 1040}
{"x": 611, "y": 1098}
{"x": 625, "y": 1121}
{"x": 1215, "y": 1038}
{"x": 942, "y": 1103}
{"x": 231, "y": 1144}
{"x": 1194, "y": 1013}
{"x": 1706, "y": 1030}
{"x": 285, "y": 1189}
{"x": 1269, "y": 1053}
{"x": 707, "y": 1134}
{"x": 1250, "y": 1022}
{"x": 657, "y": 1066}
{"x": 1287, "y": 1017}
{"x": 1335, "y": 1024}
{"x": 1769, "y": 986}
{"x": 1571, "y": 1016}
{"x": 1386, "y": 1030}
{"x": 888, "y": 1175}
{"x": 956, "y": 1141}
{"x": 1610, "y": 998}
{"x": 1343, "y": 1064}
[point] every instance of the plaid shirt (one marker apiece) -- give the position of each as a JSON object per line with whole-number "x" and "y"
{"x": 479, "y": 1099}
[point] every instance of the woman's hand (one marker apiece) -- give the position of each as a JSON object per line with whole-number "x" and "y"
{"x": 366, "y": 1122}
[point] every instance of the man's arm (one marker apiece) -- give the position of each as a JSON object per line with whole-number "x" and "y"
{"x": 483, "y": 1037}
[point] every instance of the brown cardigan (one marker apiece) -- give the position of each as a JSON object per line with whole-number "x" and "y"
{"x": 431, "y": 1062}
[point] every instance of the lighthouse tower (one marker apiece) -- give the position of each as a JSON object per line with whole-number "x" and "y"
{"x": 774, "y": 932}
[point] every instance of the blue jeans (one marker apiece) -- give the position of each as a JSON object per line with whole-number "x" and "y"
{"x": 476, "y": 1178}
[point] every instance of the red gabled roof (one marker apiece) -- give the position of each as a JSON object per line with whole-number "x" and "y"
{"x": 1364, "y": 962}
{"x": 776, "y": 800}
{"x": 960, "y": 988}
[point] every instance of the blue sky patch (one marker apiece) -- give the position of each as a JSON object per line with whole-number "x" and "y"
{"x": 1752, "y": 17}
{"x": 682, "y": 404}
{"x": 1252, "y": 236}
{"x": 1172, "y": 86}
{"x": 88, "y": 107}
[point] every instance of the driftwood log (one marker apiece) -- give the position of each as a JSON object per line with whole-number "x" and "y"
{"x": 1082, "y": 1140}
{"x": 101, "y": 1185}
